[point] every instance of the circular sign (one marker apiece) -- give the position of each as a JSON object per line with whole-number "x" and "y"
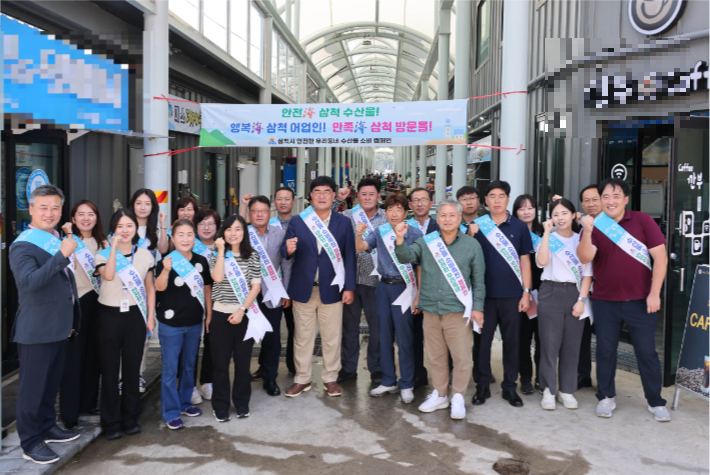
{"x": 650, "y": 17}
{"x": 619, "y": 171}
{"x": 37, "y": 178}
{"x": 21, "y": 176}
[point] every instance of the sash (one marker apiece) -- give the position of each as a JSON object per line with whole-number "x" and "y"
{"x": 201, "y": 249}
{"x": 258, "y": 325}
{"x": 86, "y": 261}
{"x": 322, "y": 234}
{"x": 361, "y": 217}
{"x": 536, "y": 240}
{"x": 501, "y": 244}
{"x": 463, "y": 228}
{"x": 415, "y": 223}
{"x": 619, "y": 236}
{"x": 451, "y": 272}
{"x": 189, "y": 274}
{"x": 272, "y": 287}
{"x": 569, "y": 258}
{"x": 406, "y": 298}
{"x": 42, "y": 239}
{"x": 275, "y": 221}
{"x": 130, "y": 278}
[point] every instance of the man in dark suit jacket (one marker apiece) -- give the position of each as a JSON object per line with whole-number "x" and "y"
{"x": 47, "y": 316}
{"x": 314, "y": 298}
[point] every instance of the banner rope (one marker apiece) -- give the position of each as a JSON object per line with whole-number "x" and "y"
{"x": 170, "y": 153}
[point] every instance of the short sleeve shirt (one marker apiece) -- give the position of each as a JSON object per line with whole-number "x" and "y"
{"x": 385, "y": 264}
{"x": 176, "y": 306}
{"x": 112, "y": 290}
{"x": 618, "y": 276}
{"x": 556, "y": 270}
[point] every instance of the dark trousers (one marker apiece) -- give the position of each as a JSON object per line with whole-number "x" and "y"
{"x": 206, "y": 366}
{"x": 79, "y": 389}
{"x": 121, "y": 340}
{"x": 41, "y": 367}
{"x": 528, "y": 331}
{"x": 608, "y": 319}
{"x": 584, "y": 367}
{"x": 420, "y": 372}
{"x": 228, "y": 344}
{"x": 288, "y": 316}
{"x": 350, "y": 348}
{"x": 392, "y": 321}
{"x": 271, "y": 344}
{"x": 503, "y": 312}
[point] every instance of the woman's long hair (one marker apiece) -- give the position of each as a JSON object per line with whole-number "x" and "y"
{"x": 113, "y": 224}
{"x": 151, "y": 231}
{"x": 519, "y": 202}
{"x": 98, "y": 231}
{"x": 245, "y": 248}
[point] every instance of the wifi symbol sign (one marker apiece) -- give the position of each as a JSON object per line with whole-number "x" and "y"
{"x": 619, "y": 171}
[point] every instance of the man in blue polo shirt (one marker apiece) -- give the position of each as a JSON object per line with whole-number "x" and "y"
{"x": 506, "y": 245}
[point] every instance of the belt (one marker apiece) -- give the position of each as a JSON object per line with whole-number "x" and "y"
{"x": 560, "y": 283}
{"x": 392, "y": 280}
{"x": 315, "y": 284}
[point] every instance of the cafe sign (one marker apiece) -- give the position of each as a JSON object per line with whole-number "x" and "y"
{"x": 650, "y": 17}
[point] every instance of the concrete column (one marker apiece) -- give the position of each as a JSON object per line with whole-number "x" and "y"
{"x": 443, "y": 94}
{"x": 424, "y": 96}
{"x": 461, "y": 83}
{"x": 289, "y": 14}
{"x": 412, "y": 158}
{"x": 264, "y": 153}
{"x": 155, "y": 113}
{"x": 513, "y": 125}
{"x": 338, "y": 156}
{"x": 328, "y": 165}
{"x": 301, "y": 153}
{"x": 296, "y": 29}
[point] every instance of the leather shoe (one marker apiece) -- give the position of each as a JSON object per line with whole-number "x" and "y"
{"x": 583, "y": 382}
{"x": 526, "y": 387}
{"x": 113, "y": 435}
{"x": 57, "y": 434}
{"x": 421, "y": 382}
{"x": 41, "y": 454}
{"x": 333, "y": 389}
{"x": 345, "y": 375}
{"x": 376, "y": 377}
{"x": 482, "y": 393}
{"x": 512, "y": 397}
{"x": 258, "y": 374}
{"x": 297, "y": 388}
{"x": 272, "y": 389}
{"x": 133, "y": 430}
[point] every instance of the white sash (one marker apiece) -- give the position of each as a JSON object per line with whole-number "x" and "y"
{"x": 131, "y": 279}
{"x": 501, "y": 243}
{"x": 275, "y": 221}
{"x": 86, "y": 261}
{"x": 415, "y": 223}
{"x": 619, "y": 236}
{"x": 201, "y": 249}
{"x": 453, "y": 275}
{"x": 322, "y": 234}
{"x": 258, "y": 325}
{"x": 189, "y": 274}
{"x": 272, "y": 288}
{"x": 361, "y": 217}
{"x": 406, "y": 298}
{"x": 569, "y": 258}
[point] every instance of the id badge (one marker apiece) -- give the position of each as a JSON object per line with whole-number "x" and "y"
{"x": 124, "y": 305}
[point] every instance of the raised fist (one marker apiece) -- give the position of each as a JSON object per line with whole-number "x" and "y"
{"x": 401, "y": 229}
{"x": 67, "y": 228}
{"x": 168, "y": 263}
{"x": 68, "y": 247}
{"x": 219, "y": 244}
{"x": 547, "y": 225}
{"x": 246, "y": 199}
{"x": 343, "y": 193}
{"x": 291, "y": 245}
{"x": 360, "y": 229}
{"x": 162, "y": 217}
{"x": 588, "y": 223}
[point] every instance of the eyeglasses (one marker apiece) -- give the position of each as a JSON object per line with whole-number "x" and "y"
{"x": 496, "y": 198}
{"x": 321, "y": 193}
{"x": 467, "y": 200}
{"x": 421, "y": 201}
{"x": 206, "y": 225}
{"x": 260, "y": 211}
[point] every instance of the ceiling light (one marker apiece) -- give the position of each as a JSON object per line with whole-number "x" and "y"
{"x": 366, "y": 42}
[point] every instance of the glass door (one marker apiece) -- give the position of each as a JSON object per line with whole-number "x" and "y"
{"x": 689, "y": 229}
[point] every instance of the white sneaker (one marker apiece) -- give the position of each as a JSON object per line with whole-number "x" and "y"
{"x": 548, "y": 400}
{"x": 205, "y": 391}
{"x": 434, "y": 402}
{"x": 458, "y": 407}
{"x": 660, "y": 413}
{"x": 196, "y": 398}
{"x": 141, "y": 384}
{"x": 382, "y": 390}
{"x": 605, "y": 407}
{"x": 568, "y": 400}
{"x": 407, "y": 395}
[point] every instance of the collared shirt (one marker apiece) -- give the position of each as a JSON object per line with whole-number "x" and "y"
{"x": 272, "y": 240}
{"x": 501, "y": 281}
{"x": 422, "y": 227}
{"x": 285, "y": 223}
{"x": 556, "y": 270}
{"x": 385, "y": 264}
{"x": 436, "y": 295}
{"x": 365, "y": 266}
{"x": 617, "y": 275}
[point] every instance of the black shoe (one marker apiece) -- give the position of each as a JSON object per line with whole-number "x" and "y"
{"x": 71, "y": 425}
{"x": 538, "y": 388}
{"x": 493, "y": 380}
{"x": 420, "y": 382}
{"x": 482, "y": 393}
{"x": 272, "y": 389}
{"x": 583, "y": 382}
{"x": 94, "y": 412}
{"x": 345, "y": 375}
{"x": 133, "y": 430}
{"x": 242, "y": 412}
{"x": 512, "y": 397}
{"x": 376, "y": 377}
{"x": 41, "y": 454}
{"x": 57, "y": 434}
{"x": 258, "y": 374}
{"x": 526, "y": 387}
{"x": 221, "y": 416}
{"x": 113, "y": 435}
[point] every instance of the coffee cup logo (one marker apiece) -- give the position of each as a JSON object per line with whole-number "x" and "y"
{"x": 650, "y": 17}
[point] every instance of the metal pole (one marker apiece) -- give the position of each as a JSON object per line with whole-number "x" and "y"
{"x": 328, "y": 166}
{"x": 264, "y": 153}
{"x": 443, "y": 94}
{"x": 336, "y": 171}
{"x": 288, "y": 14}
{"x": 412, "y": 160}
{"x": 424, "y": 96}
{"x": 2, "y": 160}
{"x": 513, "y": 125}
{"x": 297, "y": 19}
{"x": 155, "y": 113}
{"x": 301, "y": 152}
{"x": 461, "y": 82}
{"x": 321, "y": 150}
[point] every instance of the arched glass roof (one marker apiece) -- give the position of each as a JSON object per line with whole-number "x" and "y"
{"x": 368, "y": 50}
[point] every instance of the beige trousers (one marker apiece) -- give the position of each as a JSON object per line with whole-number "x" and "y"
{"x": 330, "y": 319}
{"x": 443, "y": 334}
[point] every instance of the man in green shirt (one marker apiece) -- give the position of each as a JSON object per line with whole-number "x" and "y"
{"x": 446, "y": 328}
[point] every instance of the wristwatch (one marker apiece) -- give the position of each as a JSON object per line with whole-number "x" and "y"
{"x": 527, "y": 290}
{"x": 582, "y": 299}
{"x": 243, "y": 309}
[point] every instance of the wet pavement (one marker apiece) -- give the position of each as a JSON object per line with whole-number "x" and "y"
{"x": 358, "y": 434}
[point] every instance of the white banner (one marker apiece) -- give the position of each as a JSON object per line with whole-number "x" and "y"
{"x": 184, "y": 116}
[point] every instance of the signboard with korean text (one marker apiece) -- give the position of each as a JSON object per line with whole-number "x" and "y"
{"x": 184, "y": 116}
{"x": 393, "y": 123}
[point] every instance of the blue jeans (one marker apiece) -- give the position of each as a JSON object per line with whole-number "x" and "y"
{"x": 393, "y": 322}
{"x": 177, "y": 342}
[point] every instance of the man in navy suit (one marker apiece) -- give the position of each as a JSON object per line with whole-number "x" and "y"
{"x": 315, "y": 298}
{"x": 47, "y": 316}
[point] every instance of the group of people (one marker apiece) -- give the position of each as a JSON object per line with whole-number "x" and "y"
{"x": 89, "y": 303}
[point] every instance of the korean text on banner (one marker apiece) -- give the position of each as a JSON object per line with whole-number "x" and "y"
{"x": 395, "y": 123}
{"x": 184, "y": 116}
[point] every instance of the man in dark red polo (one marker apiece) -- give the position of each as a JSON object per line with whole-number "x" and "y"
{"x": 629, "y": 258}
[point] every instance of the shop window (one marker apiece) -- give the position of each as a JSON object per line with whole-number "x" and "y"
{"x": 239, "y": 29}
{"x": 187, "y": 10}
{"x": 256, "y": 33}
{"x": 214, "y": 26}
{"x": 483, "y": 32}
